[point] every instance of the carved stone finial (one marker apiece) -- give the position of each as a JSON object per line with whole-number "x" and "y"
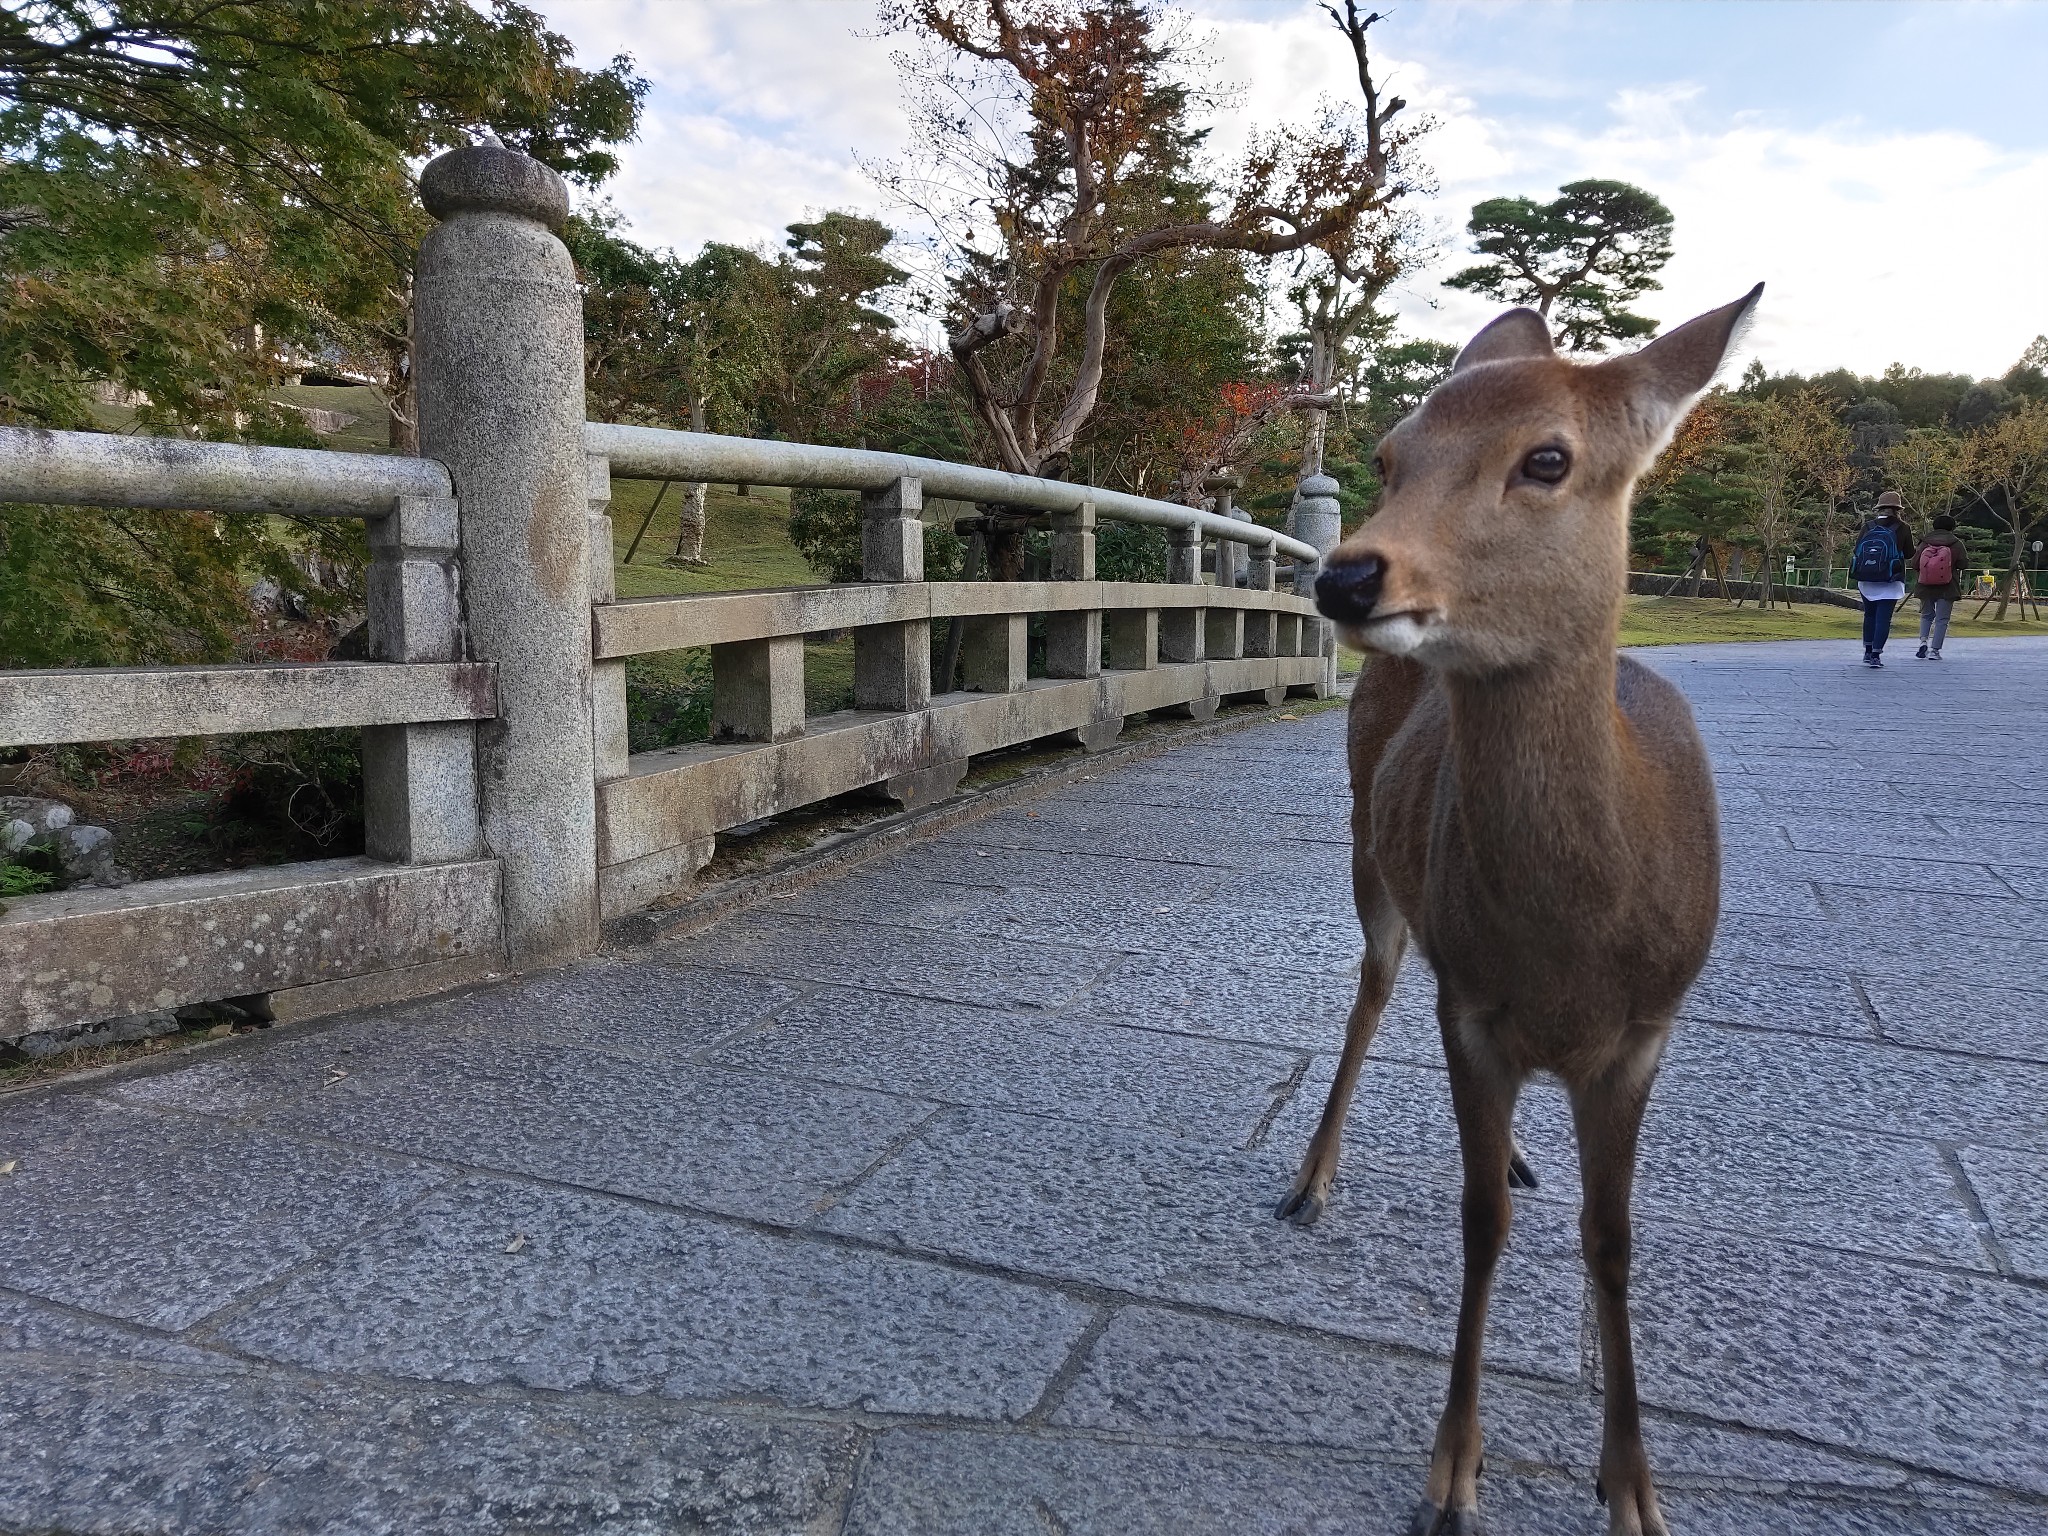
{"x": 489, "y": 178}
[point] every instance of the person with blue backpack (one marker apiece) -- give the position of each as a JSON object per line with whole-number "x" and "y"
{"x": 1883, "y": 549}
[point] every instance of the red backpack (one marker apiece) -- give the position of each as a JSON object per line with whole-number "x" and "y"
{"x": 1937, "y": 565}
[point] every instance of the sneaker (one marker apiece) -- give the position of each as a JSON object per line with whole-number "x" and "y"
{"x": 1877, "y": 661}
{"x": 1872, "y": 661}
{"x": 1921, "y": 653}
{"x": 1934, "y": 656}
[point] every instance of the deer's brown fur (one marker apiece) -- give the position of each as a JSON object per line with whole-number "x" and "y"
{"x": 1536, "y": 811}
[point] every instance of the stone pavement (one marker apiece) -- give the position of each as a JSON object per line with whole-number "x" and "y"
{"x": 936, "y": 1199}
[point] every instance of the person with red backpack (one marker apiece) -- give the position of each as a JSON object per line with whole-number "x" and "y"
{"x": 1940, "y": 563}
{"x": 1883, "y": 550}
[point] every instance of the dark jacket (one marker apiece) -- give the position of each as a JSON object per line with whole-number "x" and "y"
{"x": 1901, "y": 536}
{"x": 1953, "y": 587}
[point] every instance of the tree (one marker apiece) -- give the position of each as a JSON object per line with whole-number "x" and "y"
{"x": 1779, "y": 432}
{"x": 202, "y": 197}
{"x": 2006, "y": 463}
{"x": 1577, "y": 260}
{"x": 1925, "y": 467}
{"x": 1828, "y": 460}
{"x": 1345, "y": 278}
{"x": 1058, "y": 138}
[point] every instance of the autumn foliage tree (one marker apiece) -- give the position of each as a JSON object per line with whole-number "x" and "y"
{"x": 1057, "y": 150}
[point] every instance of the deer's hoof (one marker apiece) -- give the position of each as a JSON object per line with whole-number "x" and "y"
{"x": 1301, "y": 1207}
{"x": 1434, "y": 1520}
{"x": 1520, "y": 1174}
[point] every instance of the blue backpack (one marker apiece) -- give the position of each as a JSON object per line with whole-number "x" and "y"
{"x": 1877, "y": 556}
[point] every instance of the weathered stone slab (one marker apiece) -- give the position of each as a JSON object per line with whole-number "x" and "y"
{"x": 41, "y": 708}
{"x": 1934, "y": 1368}
{"x": 961, "y": 968}
{"x": 160, "y": 1219}
{"x": 1182, "y": 1221}
{"x": 1879, "y": 1088}
{"x": 232, "y": 1454}
{"x": 608, "y": 1296}
{"x": 1979, "y": 1021}
{"x": 1803, "y": 1002}
{"x": 1160, "y": 1373}
{"x": 754, "y": 1146}
{"x": 940, "y": 1482}
{"x": 1233, "y": 996}
{"x": 2013, "y": 1189}
{"x": 86, "y": 955}
{"x": 1214, "y": 1090}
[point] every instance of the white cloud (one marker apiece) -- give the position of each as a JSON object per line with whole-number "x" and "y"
{"x": 1879, "y": 244}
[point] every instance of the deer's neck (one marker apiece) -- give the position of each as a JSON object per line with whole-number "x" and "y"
{"x": 1538, "y": 763}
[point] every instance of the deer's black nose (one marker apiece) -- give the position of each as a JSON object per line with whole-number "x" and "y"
{"x": 1348, "y": 592}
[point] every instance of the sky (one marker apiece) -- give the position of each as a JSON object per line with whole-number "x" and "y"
{"x": 1881, "y": 165}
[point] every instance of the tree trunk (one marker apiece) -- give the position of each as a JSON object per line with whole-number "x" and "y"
{"x": 690, "y": 516}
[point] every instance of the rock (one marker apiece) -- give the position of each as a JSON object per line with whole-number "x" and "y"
{"x": 43, "y": 816}
{"x": 120, "y": 1031}
{"x": 265, "y": 595}
{"x": 87, "y": 855}
{"x": 15, "y": 836}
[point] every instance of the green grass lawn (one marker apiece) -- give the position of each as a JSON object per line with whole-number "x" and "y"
{"x": 1677, "y": 620}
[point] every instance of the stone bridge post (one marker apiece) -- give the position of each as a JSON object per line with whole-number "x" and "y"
{"x": 498, "y": 365}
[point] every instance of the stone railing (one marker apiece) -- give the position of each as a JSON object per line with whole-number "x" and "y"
{"x": 1112, "y": 649}
{"x": 505, "y": 817}
{"x": 423, "y": 896}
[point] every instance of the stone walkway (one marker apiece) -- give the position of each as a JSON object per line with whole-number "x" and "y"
{"x": 937, "y": 1199}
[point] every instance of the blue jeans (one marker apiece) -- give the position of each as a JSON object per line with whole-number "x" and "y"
{"x": 1934, "y": 612}
{"x": 1877, "y": 623}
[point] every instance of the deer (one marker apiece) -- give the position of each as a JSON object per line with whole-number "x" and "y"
{"x": 1536, "y": 810}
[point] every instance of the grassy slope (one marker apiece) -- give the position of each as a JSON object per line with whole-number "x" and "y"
{"x": 1675, "y": 620}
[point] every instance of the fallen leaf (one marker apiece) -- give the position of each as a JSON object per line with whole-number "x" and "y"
{"x": 981, "y": 853}
{"x": 9, "y": 1166}
{"x": 220, "y": 1031}
{"x": 1287, "y": 717}
{"x": 518, "y": 1242}
{"x": 1161, "y": 911}
{"x": 334, "y": 1075}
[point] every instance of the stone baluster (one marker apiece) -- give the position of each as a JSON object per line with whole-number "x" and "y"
{"x": 1180, "y": 629}
{"x": 1073, "y": 639}
{"x": 419, "y": 781}
{"x": 498, "y": 360}
{"x": 1319, "y": 520}
{"x": 892, "y": 663}
{"x": 608, "y": 726}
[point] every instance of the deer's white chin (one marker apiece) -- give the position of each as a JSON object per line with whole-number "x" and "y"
{"x": 1398, "y": 634}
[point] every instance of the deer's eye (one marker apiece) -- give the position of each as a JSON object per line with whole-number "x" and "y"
{"x": 1547, "y": 465}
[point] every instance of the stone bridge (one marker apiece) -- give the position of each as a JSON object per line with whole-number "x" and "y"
{"x": 935, "y": 1199}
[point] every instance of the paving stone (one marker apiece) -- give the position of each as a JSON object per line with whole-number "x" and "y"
{"x": 161, "y": 1220}
{"x": 2022, "y": 881}
{"x": 726, "y": 1141}
{"x": 1930, "y": 917}
{"x": 1180, "y": 1221}
{"x": 229, "y": 1454}
{"x": 961, "y": 968}
{"x": 1212, "y": 1089}
{"x": 603, "y": 1295}
{"x": 28, "y": 1326}
{"x": 1883, "y": 1089}
{"x": 1909, "y": 840}
{"x": 2013, "y": 1189}
{"x": 1778, "y": 998}
{"x": 1767, "y": 896}
{"x": 1984, "y": 1021}
{"x": 1934, "y": 1368}
{"x": 1169, "y": 1374}
{"x": 1928, "y": 876}
{"x": 934, "y": 1482}
{"x": 956, "y": 860}
{"x": 1233, "y": 996}
{"x": 1937, "y": 1514}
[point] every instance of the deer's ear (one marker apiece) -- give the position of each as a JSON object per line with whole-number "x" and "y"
{"x": 1664, "y": 378}
{"x": 1518, "y": 333}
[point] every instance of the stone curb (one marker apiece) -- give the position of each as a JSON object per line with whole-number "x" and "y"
{"x": 805, "y": 868}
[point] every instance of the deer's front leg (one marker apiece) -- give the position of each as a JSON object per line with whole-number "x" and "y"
{"x": 1484, "y": 1098}
{"x": 1608, "y": 1115}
